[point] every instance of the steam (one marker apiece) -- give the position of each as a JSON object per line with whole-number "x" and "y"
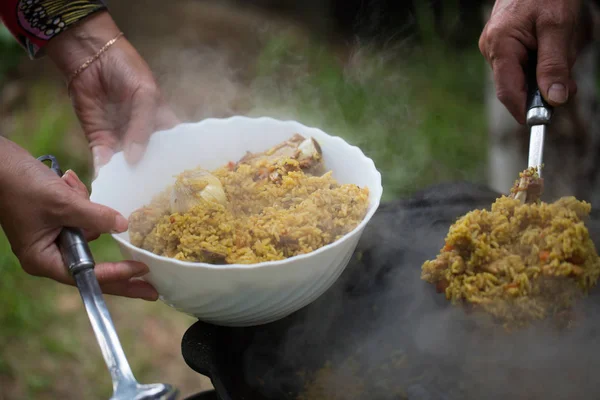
{"x": 386, "y": 334}
{"x": 214, "y": 60}
{"x": 241, "y": 63}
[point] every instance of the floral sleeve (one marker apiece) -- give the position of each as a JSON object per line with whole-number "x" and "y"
{"x": 34, "y": 22}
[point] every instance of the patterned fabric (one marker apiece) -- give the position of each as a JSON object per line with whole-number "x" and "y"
{"x": 34, "y": 22}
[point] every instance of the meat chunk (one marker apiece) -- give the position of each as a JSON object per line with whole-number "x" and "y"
{"x": 529, "y": 188}
{"x": 307, "y": 152}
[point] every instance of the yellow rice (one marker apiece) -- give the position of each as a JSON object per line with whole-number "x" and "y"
{"x": 261, "y": 221}
{"x": 518, "y": 262}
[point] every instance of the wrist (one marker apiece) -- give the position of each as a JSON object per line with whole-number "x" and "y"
{"x": 81, "y": 41}
{"x": 10, "y": 156}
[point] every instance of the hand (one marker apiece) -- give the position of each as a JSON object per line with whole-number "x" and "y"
{"x": 34, "y": 206}
{"x": 516, "y": 26}
{"x": 116, "y": 98}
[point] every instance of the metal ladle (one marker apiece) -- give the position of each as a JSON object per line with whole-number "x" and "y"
{"x": 539, "y": 114}
{"x": 78, "y": 258}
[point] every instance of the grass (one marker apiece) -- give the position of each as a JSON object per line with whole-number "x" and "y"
{"x": 418, "y": 115}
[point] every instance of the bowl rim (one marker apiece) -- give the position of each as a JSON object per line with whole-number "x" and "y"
{"x": 373, "y": 206}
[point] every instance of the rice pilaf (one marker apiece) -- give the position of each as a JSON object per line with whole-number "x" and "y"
{"x": 275, "y": 208}
{"x": 518, "y": 262}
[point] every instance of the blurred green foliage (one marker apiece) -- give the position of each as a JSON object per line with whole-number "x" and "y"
{"x": 16, "y": 315}
{"x": 28, "y": 304}
{"x": 48, "y": 132}
{"x": 416, "y": 111}
{"x": 10, "y": 52}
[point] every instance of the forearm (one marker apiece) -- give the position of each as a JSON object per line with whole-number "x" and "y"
{"x": 35, "y": 24}
{"x": 83, "y": 40}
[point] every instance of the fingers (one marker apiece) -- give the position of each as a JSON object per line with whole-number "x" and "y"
{"x": 553, "y": 72}
{"x": 549, "y": 29}
{"x": 136, "y": 137}
{"x": 48, "y": 262}
{"x": 166, "y": 118}
{"x": 92, "y": 217}
{"x": 133, "y": 288}
{"x": 117, "y": 278}
{"x": 71, "y": 178}
{"x": 149, "y": 113}
{"x": 106, "y": 273}
{"x": 101, "y": 155}
{"x": 90, "y": 236}
{"x": 111, "y": 272}
{"x": 141, "y": 125}
{"x": 507, "y": 58}
{"x": 74, "y": 209}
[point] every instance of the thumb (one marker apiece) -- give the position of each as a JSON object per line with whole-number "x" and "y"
{"x": 553, "y": 71}
{"x": 93, "y": 217}
{"x": 71, "y": 178}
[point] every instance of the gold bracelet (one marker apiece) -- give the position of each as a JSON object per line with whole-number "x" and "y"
{"x": 92, "y": 59}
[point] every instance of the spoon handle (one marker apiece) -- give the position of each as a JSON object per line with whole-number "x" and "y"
{"x": 104, "y": 329}
{"x": 80, "y": 262}
{"x": 538, "y": 110}
{"x": 539, "y": 113}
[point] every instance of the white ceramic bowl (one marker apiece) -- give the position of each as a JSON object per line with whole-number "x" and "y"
{"x": 234, "y": 294}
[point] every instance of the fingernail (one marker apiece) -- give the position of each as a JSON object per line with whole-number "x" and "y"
{"x": 121, "y": 224}
{"x": 135, "y": 152}
{"x": 140, "y": 289}
{"x": 140, "y": 271}
{"x": 558, "y": 93}
{"x": 73, "y": 173}
{"x": 145, "y": 293}
{"x": 150, "y": 296}
{"x": 69, "y": 177}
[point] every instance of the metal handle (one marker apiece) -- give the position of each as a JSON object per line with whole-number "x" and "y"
{"x": 75, "y": 250}
{"x": 539, "y": 112}
{"x": 78, "y": 258}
